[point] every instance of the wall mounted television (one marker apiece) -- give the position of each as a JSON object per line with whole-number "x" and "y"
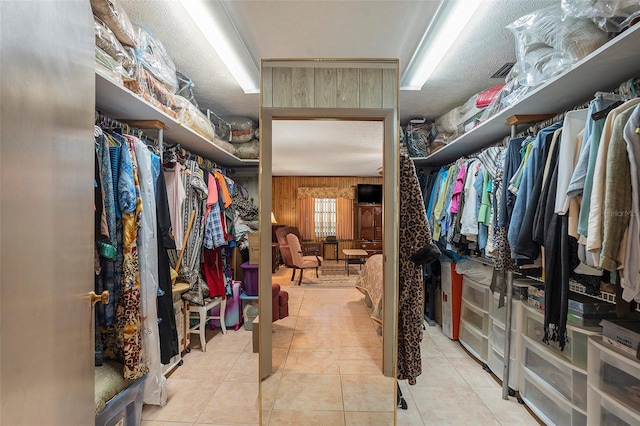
{"x": 369, "y": 193}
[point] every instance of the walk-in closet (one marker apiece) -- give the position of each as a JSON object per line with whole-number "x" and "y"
{"x": 218, "y": 212}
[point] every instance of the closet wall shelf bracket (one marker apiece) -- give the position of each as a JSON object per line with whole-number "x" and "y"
{"x": 527, "y": 118}
{"x": 145, "y": 124}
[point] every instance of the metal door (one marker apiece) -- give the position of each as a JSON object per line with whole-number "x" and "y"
{"x": 47, "y": 86}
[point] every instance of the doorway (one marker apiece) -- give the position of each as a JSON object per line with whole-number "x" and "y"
{"x": 287, "y": 108}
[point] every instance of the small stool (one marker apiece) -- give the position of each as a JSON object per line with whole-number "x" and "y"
{"x": 203, "y": 317}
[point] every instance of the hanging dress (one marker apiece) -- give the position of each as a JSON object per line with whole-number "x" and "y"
{"x": 414, "y": 234}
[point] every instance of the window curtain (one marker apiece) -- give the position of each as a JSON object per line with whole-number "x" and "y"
{"x": 344, "y": 218}
{"x": 344, "y": 215}
{"x": 305, "y": 224}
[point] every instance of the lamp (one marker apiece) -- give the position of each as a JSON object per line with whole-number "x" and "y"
{"x": 450, "y": 19}
{"x": 273, "y": 218}
{"x": 213, "y": 20}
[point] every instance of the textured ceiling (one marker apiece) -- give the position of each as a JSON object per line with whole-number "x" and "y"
{"x": 337, "y": 29}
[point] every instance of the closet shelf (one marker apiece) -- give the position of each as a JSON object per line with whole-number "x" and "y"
{"x": 119, "y": 102}
{"x": 603, "y": 69}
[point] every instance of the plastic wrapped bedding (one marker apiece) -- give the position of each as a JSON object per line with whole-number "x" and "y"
{"x": 153, "y": 56}
{"x": 510, "y": 94}
{"x": 547, "y": 44}
{"x": 609, "y": 15}
{"x": 185, "y": 88}
{"x": 191, "y": 117}
{"x": 227, "y": 146}
{"x": 154, "y": 92}
{"x": 123, "y": 60}
{"x": 248, "y": 150}
{"x": 108, "y": 67}
{"x": 114, "y": 16}
{"x": 448, "y": 122}
{"x": 242, "y": 129}
{"x": 478, "y": 272}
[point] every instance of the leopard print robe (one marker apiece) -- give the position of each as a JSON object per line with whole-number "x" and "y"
{"x": 414, "y": 235}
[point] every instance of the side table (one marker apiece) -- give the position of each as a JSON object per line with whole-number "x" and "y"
{"x": 354, "y": 257}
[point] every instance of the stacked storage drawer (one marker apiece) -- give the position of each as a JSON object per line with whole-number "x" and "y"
{"x": 614, "y": 385}
{"x": 554, "y": 382}
{"x": 497, "y": 337}
{"x": 474, "y": 321}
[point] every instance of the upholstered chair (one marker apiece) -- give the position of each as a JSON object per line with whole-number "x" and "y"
{"x": 299, "y": 260}
{"x": 308, "y": 248}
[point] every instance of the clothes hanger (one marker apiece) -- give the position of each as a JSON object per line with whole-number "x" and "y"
{"x": 609, "y": 96}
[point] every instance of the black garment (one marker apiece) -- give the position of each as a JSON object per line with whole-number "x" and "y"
{"x": 557, "y": 267}
{"x": 167, "y": 325}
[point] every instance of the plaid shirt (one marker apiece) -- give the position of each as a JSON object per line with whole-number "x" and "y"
{"x": 214, "y": 233}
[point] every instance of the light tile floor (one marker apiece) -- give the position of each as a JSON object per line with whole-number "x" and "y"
{"x": 327, "y": 362}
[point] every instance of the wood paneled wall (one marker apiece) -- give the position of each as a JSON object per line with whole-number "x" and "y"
{"x": 285, "y": 206}
{"x": 309, "y": 87}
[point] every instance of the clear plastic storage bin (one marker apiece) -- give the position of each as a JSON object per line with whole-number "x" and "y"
{"x": 552, "y": 411}
{"x": 496, "y": 365}
{"x": 497, "y": 338}
{"x": 575, "y": 350}
{"x": 606, "y": 411}
{"x": 475, "y": 293}
{"x": 570, "y": 383}
{"x": 475, "y": 317}
{"x": 475, "y": 342}
{"x": 615, "y": 374}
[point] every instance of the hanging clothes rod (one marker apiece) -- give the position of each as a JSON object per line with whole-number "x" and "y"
{"x": 134, "y": 128}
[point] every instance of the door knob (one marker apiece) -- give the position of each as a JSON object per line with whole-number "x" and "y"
{"x": 95, "y": 298}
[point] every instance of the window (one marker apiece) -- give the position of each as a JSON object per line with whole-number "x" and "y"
{"x": 324, "y": 217}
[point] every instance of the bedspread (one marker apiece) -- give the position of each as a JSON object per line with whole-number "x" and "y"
{"x": 370, "y": 283}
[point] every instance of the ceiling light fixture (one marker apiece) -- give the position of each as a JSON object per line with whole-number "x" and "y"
{"x": 213, "y": 20}
{"x": 450, "y": 19}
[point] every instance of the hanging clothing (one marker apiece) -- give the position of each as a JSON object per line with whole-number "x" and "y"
{"x": 155, "y": 388}
{"x": 413, "y": 235}
{"x": 614, "y": 127}
{"x": 511, "y": 164}
{"x": 520, "y": 228}
{"x": 167, "y": 328}
{"x": 469, "y": 217}
{"x": 617, "y": 197}
{"x": 557, "y": 268}
{"x": 176, "y": 196}
{"x": 128, "y": 314}
{"x": 533, "y": 167}
{"x": 574, "y": 124}
{"x": 213, "y": 272}
{"x": 196, "y": 198}
{"x": 632, "y": 255}
{"x": 439, "y": 208}
{"x": 481, "y": 207}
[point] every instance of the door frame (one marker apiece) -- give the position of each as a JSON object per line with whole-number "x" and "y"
{"x": 391, "y": 156}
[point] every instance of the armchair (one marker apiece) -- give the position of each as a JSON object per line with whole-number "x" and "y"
{"x": 299, "y": 261}
{"x": 308, "y": 248}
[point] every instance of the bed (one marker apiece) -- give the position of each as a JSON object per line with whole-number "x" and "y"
{"x": 370, "y": 283}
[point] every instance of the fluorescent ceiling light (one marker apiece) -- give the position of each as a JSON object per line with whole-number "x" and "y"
{"x": 213, "y": 20}
{"x": 449, "y": 21}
